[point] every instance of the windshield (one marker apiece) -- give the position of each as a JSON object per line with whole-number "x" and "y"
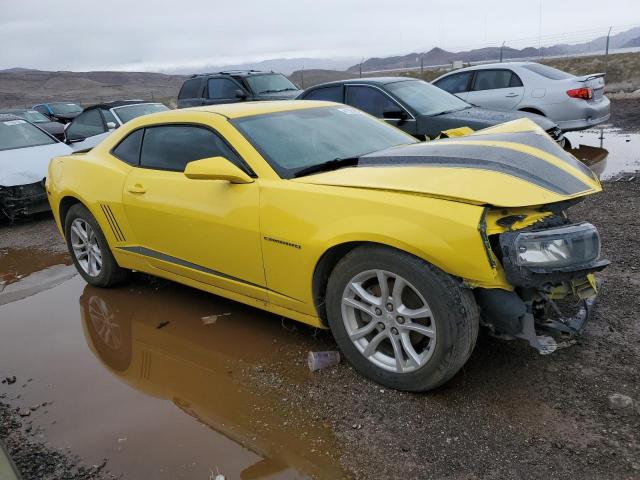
{"x": 547, "y": 72}
{"x": 425, "y": 98}
{"x": 297, "y": 139}
{"x": 21, "y": 134}
{"x": 130, "y": 112}
{"x": 64, "y": 108}
{"x": 269, "y": 83}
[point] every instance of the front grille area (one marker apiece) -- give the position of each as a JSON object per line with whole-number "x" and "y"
{"x": 22, "y": 200}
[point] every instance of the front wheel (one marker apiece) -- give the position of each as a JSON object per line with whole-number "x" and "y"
{"x": 89, "y": 249}
{"x": 399, "y": 320}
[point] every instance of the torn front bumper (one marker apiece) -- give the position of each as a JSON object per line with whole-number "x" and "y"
{"x": 534, "y": 316}
{"x": 23, "y": 200}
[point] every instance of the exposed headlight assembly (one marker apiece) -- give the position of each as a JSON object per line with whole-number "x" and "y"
{"x": 561, "y": 253}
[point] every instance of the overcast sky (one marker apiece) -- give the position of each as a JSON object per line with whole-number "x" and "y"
{"x": 186, "y": 34}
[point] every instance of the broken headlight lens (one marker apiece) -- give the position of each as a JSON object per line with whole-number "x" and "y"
{"x": 557, "y": 247}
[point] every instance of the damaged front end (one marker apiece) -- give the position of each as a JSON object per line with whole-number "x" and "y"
{"x": 550, "y": 263}
{"x": 23, "y": 200}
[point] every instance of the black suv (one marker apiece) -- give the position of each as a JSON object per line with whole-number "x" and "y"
{"x": 235, "y": 86}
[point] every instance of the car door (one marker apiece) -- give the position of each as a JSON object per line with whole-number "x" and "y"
{"x": 206, "y": 230}
{"x": 496, "y": 88}
{"x": 457, "y": 84}
{"x": 223, "y": 90}
{"x": 86, "y": 130}
{"x": 378, "y": 103}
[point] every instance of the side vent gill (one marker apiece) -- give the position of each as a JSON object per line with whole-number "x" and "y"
{"x": 113, "y": 223}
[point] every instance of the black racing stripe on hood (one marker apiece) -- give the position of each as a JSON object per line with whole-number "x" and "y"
{"x": 536, "y": 141}
{"x": 524, "y": 166}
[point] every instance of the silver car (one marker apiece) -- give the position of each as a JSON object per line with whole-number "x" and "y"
{"x": 574, "y": 103}
{"x": 97, "y": 121}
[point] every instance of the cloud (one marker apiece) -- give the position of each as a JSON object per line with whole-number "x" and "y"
{"x": 163, "y": 35}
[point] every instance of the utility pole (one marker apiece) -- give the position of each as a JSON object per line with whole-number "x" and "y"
{"x": 501, "y": 49}
{"x": 302, "y": 78}
{"x": 422, "y": 64}
{"x": 606, "y": 51}
{"x": 361, "y": 61}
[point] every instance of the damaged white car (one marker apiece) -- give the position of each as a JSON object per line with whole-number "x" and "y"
{"x": 25, "y": 151}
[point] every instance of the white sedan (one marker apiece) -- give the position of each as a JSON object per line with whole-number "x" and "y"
{"x": 574, "y": 103}
{"x": 97, "y": 121}
{"x": 25, "y": 151}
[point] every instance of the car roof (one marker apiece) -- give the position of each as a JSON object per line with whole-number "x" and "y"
{"x": 7, "y": 116}
{"x": 366, "y": 81}
{"x": 114, "y": 104}
{"x": 235, "y": 73}
{"x": 486, "y": 66}
{"x": 244, "y": 109}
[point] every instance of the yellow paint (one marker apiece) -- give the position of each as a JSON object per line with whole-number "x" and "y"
{"x": 265, "y": 237}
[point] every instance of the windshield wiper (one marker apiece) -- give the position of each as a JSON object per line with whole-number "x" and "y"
{"x": 334, "y": 164}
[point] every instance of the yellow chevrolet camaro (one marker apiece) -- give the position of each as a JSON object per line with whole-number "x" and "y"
{"x": 321, "y": 213}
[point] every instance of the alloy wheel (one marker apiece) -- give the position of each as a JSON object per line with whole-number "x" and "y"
{"x": 388, "y": 321}
{"x": 86, "y": 249}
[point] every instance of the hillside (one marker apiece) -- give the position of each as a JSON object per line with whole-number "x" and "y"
{"x": 24, "y": 88}
{"x": 438, "y": 56}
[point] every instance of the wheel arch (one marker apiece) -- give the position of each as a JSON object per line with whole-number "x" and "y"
{"x": 535, "y": 110}
{"x": 328, "y": 261}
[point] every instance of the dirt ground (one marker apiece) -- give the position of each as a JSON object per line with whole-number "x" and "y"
{"x": 625, "y": 114}
{"x": 510, "y": 413}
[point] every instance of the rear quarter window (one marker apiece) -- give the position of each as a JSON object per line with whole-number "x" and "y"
{"x": 547, "y": 72}
{"x": 190, "y": 89}
{"x": 330, "y": 94}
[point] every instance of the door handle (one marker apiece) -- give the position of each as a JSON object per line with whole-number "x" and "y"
{"x": 511, "y": 95}
{"x": 137, "y": 188}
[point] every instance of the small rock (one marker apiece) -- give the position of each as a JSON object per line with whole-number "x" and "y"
{"x": 24, "y": 412}
{"x": 617, "y": 401}
{"x": 10, "y": 380}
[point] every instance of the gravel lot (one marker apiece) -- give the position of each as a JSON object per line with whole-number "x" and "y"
{"x": 511, "y": 413}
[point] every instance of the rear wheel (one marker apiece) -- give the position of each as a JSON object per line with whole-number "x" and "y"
{"x": 89, "y": 249}
{"x": 398, "y": 320}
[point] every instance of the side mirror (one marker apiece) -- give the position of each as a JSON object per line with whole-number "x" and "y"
{"x": 111, "y": 126}
{"x": 73, "y": 138}
{"x": 394, "y": 114}
{"x": 240, "y": 94}
{"x": 216, "y": 168}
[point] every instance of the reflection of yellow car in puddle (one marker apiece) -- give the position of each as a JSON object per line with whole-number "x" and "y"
{"x": 199, "y": 367}
{"x": 321, "y": 213}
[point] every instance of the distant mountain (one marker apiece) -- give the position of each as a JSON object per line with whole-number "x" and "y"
{"x": 438, "y": 56}
{"x": 282, "y": 65}
{"x": 632, "y": 43}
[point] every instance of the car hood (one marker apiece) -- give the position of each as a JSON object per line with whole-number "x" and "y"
{"x": 23, "y": 166}
{"x": 492, "y": 117}
{"x": 511, "y": 165}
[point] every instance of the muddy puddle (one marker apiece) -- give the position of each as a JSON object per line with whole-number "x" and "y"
{"x": 608, "y": 151}
{"x": 161, "y": 380}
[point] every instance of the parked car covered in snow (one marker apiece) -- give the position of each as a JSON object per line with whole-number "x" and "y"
{"x": 573, "y": 102}
{"x": 97, "y": 121}
{"x": 54, "y": 128}
{"x": 25, "y": 151}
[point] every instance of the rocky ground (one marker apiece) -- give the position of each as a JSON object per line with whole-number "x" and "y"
{"x": 625, "y": 114}
{"x": 510, "y": 413}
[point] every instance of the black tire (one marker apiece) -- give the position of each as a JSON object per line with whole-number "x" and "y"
{"x": 111, "y": 273}
{"x": 455, "y": 314}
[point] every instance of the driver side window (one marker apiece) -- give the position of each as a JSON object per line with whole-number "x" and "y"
{"x": 370, "y": 100}
{"x": 171, "y": 147}
{"x": 87, "y": 124}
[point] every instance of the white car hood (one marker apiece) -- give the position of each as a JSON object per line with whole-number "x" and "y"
{"x": 22, "y": 166}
